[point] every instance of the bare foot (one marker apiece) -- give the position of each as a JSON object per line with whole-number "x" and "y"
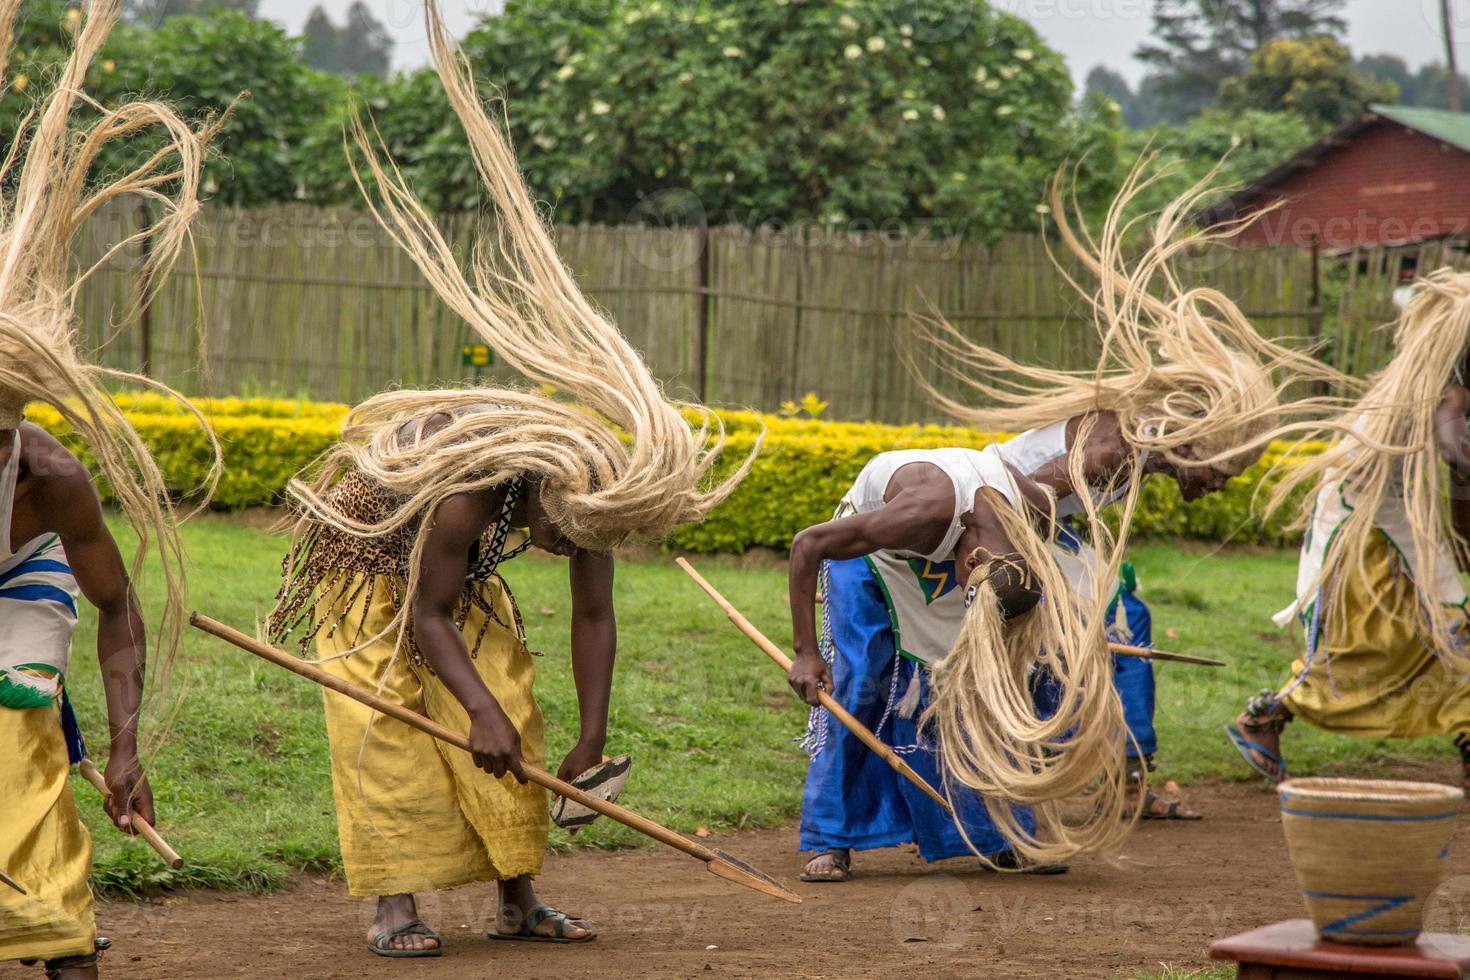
{"x": 395, "y": 912}
{"x": 518, "y": 900}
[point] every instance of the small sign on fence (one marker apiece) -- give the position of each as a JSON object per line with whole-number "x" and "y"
{"x": 477, "y": 355}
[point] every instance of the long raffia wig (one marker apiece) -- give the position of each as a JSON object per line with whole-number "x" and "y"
{"x": 1180, "y": 365}
{"x": 1183, "y": 369}
{"x": 1070, "y": 765}
{"x": 613, "y": 458}
{"x": 48, "y": 190}
{"x": 1391, "y": 457}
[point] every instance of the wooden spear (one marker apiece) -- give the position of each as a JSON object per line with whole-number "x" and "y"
{"x": 5, "y": 879}
{"x": 717, "y": 861}
{"x": 863, "y": 733}
{"x": 1148, "y": 653}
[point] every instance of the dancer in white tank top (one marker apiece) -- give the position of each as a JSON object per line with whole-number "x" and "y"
{"x": 893, "y": 564}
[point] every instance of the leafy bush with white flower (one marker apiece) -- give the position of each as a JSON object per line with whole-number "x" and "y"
{"x": 863, "y": 111}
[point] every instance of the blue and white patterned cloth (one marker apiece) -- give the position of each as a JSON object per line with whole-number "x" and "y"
{"x": 38, "y": 610}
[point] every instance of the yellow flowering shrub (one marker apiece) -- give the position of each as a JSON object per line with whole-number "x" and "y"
{"x": 804, "y": 468}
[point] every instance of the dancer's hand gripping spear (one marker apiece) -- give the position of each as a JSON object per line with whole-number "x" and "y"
{"x": 863, "y": 733}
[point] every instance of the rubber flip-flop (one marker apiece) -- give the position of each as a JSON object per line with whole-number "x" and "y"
{"x": 541, "y": 913}
{"x": 1245, "y": 747}
{"x": 841, "y": 868}
{"x": 382, "y": 942}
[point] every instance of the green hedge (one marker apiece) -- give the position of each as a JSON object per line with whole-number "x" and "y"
{"x": 803, "y": 470}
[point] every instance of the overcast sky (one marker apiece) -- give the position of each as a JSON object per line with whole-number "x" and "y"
{"x": 1088, "y": 32}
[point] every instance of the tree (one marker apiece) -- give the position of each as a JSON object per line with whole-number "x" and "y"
{"x": 1243, "y": 146}
{"x": 1140, "y": 109}
{"x": 1200, "y": 43}
{"x": 151, "y": 13}
{"x": 1315, "y": 78}
{"x": 857, "y": 114}
{"x": 1429, "y": 86}
{"x": 359, "y": 47}
{"x": 200, "y": 65}
{"x": 319, "y": 47}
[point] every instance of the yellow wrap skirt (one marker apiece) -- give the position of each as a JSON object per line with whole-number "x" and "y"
{"x": 414, "y": 814}
{"x": 1373, "y": 673}
{"x": 43, "y": 843}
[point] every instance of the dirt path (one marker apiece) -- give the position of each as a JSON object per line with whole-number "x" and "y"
{"x": 1178, "y": 887}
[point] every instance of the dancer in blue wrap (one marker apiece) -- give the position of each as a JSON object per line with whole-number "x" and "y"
{"x": 892, "y": 566}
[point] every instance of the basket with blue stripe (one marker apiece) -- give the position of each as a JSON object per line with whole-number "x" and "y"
{"x": 1368, "y": 853}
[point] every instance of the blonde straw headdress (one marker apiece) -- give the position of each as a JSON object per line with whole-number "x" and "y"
{"x": 50, "y": 190}
{"x": 1182, "y": 368}
{"x": 612, "y": 457}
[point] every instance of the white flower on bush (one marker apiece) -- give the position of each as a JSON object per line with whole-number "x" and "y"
{"x": 729, "y": 176}
{"x": 852, "y": 52}
{"x": 847, "y": 22}
{"x": 938, "y": 112}
{"x": 1009, "y": 71}
{"x": 733, "y": 52}
{"x": 600, "y": 108}
{"x": 876, "y": 44}
{"x": 544, "y": 141}
{"x": 907, "y": 30}
{"x": 685, "y": 77}
{"x": 981, "y": 75}
{"x": 1005, "y": 110}
{"x": 1024, "y": 54}
{"x": 911, "y": 114}
{"x": 992, "y": 86}
{"x": 565, "y": 72}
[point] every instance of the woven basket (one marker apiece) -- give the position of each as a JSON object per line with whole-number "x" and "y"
{"x": 1368, "y": 853}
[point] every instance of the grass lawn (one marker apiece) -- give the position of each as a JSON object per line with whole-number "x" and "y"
{"x": 243, "y": 783}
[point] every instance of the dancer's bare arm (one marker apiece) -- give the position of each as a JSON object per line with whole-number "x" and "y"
{"x": 122, "y": 642}
{"x": 458, "y": 524}
{"x": 1104, "y": 454}
{"x": 915, "y": 518}
{"x": 594, "y": 649}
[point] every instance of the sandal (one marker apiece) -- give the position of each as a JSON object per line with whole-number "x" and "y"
{"x": 1009, "y": 860}
{"x": 1264, "y": 714}
{"x": 1171, "y": 813}
{"x": 527, "y": 932}
{"x": 841, "y": 867}
{"x": 382, "y": 942}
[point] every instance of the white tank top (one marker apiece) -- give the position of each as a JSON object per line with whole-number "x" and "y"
{"x": 924, "y": 593}
{"x": 968, "y": 470}
{"x": 1035, "y": 448}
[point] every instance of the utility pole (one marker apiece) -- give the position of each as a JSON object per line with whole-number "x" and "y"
{"x": 1447, "y": 22}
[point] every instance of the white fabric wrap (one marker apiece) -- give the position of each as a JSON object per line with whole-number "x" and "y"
{"x": 1331, "y": 508}
{"x": 925, "y": 594}
{"x": 38, "y": 607}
